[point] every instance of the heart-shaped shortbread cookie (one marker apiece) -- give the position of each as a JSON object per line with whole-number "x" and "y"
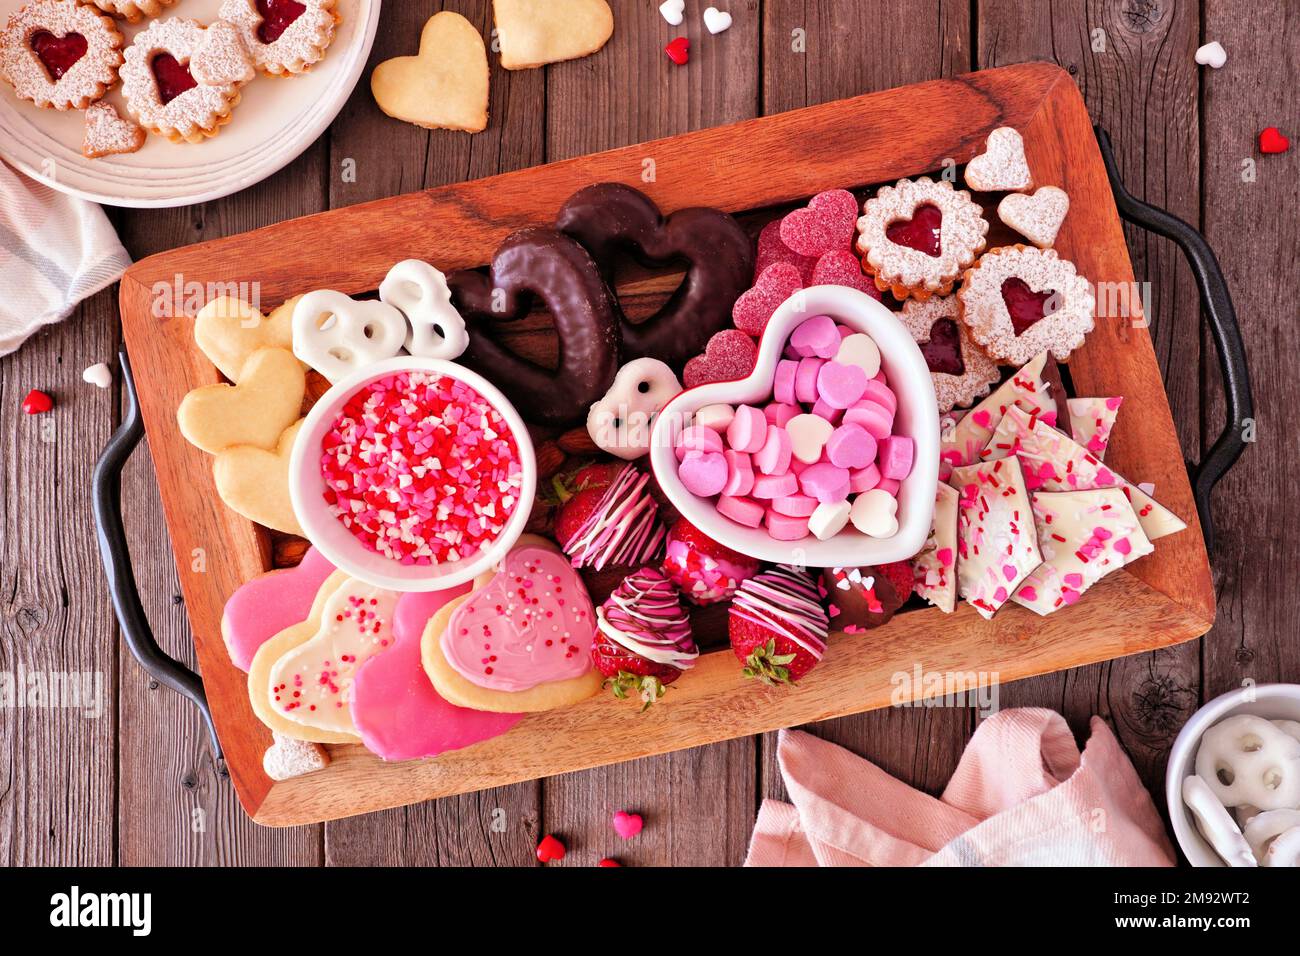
{"x": 255, "y": 412}
{"x": 445, "y": 86}
{"x": 536, "y": 32}
{"x": 108, "y": 133}
{"x": 1002, "y": 166}
{"x": 254, "y": 482}
{"x": 229, "y": 330}
{"x": 1037, "y": 217}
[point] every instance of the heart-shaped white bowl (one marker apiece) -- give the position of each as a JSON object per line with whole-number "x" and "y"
{"x": 344, "y": 550}
{"x": 917, "y": 417}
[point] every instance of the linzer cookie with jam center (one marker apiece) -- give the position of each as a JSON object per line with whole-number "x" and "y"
{"x": 60, "y": 55}
{"x": 133, "y": 11}
{"x": 1019, "y": 300}
{"x": 181, "y": 79}
{"x": 917, "y": 237}
{"x": 283, "y": 36}
{"x": 961, "y": 372}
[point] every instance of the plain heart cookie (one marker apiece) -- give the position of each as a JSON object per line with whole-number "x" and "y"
{"x": 255, "y": 412}
{"x": 537, "y": 32}
{"x": 229, "y": 330}
{"x": 445, "y": 85}
{"x": 254, "y": 482}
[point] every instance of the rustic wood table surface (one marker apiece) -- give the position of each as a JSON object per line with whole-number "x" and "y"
{"x": 138, "y": 785}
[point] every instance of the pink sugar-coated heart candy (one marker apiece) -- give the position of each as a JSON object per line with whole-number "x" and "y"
{"x": 895, "y": 459}
{"x": 816, "y": 336}
{"x": 697, "y": 438}
{"x": 822, "y": 410}
{"x": 767, "y": 487}
{"x": 703, "y": 473}
{"x": 860, "y": 350}
{"x": 889, "y": 486}
{"x": 717, "y": 417}
{"x": 779, "y": 414}
{"x": 796, "y": 506}
{"x": 864, "y": 479}
{"x": 748, "y": 429}
{"x": 805, "y": 379}
{"x": 785, "y": 527}
{"x": 828, "y": 222}
{"x": 839, "y": 385}
{"x": 851, "y": 446}
{"x": 740, "y": 474}
{"x": 755, "y": 306}
{"x": 880, "y": 393}
{"x": 774, "y": 457}
{"x": 729, "y": 356}
{"x": 741, "y": 510}
{"x": 841, "y": 267}
{"x": 808, "y": 435}
{"x": 771, "y": 249}
{"x": 875, "y": 418}
{"x": 627, "y": 825}
{"x": 783, "y": 381}
{"x": 825, "y": 482}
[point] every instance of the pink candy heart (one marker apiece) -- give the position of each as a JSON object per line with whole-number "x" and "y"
{"x": 627, "y": 825}
{"x": 703, "y": 473}
{"x": 827, "y": 224}
{"x": 730, "y": 355}
{"x": 754, "y": 308}
{"x": 841, "y": 267}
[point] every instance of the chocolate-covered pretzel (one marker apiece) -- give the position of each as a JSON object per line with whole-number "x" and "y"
{"x": 556, "y": 269}
{"x": 611, "y": 219}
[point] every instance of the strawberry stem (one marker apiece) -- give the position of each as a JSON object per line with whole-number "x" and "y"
{"x": 765, "y": 664}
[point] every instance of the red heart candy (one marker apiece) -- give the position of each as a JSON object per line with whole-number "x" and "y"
{"x": 1271, "y": 140}
{"x": 550, "y": 849}
{"x": 842, "y": 267}
{"x": 771, "y": 250}
{"x": 37, "y": 402}
{"x": 775, "y": 284}
{"x": 608, "y": 862}
{"x": 827, "y": 223}
{"x": 730, "y": 355}
{"x": 679, "y": 50}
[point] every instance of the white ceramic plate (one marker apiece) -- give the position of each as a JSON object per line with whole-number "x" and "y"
{"x": 275, "y": 121}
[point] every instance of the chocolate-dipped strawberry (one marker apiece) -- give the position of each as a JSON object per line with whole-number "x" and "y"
{"x": 861, "y": 599}
{"x": 643, "y": 637}
{"x": 777, "y": 625}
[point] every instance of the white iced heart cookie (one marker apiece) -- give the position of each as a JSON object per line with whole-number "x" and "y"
{"x": 420, "y": 292}
{"x": 620, "y": 422}
{"x": 1216, "y": 824}
{"x": 875, "y": 514}
{"x": 338, "y": 335}
{"x": 716, "y": 20}
{"x": 672, "y": 11}
{"x": 1037, "y": 217}
{"x": 1246, "y": 759}
{"x": 1212, "y": 54}
{"x": 1002, "y": 166}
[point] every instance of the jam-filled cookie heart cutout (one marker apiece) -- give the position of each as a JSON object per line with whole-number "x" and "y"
{"x": 612, "y": 220}
{"x": 283, "y": 36}
{"x": 60, "y": 54}
{"x": 960, "y": 371}
{"x": 547, "y": 265}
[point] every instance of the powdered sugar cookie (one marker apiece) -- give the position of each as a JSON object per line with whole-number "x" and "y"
{"x": 1038, "y": 217}
{"x": 961, "y": 372}
{"x": 181, "y": 79}
{"x": 1019, "y": 300}
{"x": 1002, "y": 166}
{"x": 287, "y": 758}
{"x": 107, "y": 133}
{"x": 283, "y": 36}
{"x": 537, "y": 32}
{"x": 521, "y": 641}
{"x": 133, "y": 11}
{"x": 59, "y": 54}
{"x": 915, "y": 238}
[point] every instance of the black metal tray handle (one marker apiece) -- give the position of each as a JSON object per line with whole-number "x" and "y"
{"x": 1215, "y": 301}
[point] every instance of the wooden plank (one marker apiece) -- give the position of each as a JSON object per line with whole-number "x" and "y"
{"x": 699, "y": 804}
{"x": 387, "y": 157}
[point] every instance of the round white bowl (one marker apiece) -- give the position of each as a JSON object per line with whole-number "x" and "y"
{"x": 343, "y": 549}
{"x": 917, "y": 417}
{"x": 1271, "y": 701}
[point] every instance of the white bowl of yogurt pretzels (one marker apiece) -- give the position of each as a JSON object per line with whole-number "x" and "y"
{"x": 1233, "y": 780}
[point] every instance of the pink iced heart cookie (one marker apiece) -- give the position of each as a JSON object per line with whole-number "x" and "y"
{"x": 841, "y": 267}
{"x": 730, "y": 355}
{"x": 754, "y": 308}
{"x": 269, "y": 603}
{"x": 394, "y": 706}
{"x": 827, "y": 224}
{"x": 772, "y": 250}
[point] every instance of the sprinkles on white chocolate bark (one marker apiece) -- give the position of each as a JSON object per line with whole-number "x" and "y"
{"x": 997, "y": 543}
{"x": 44, "y": 61}
{"x": 645, "y": 616}
{"x": 786, "y": 601}
{"x": 283, "y": 36}
{"x": 953, "y": 385}
{"x": 624, "y": 529}
{"x": 963, "y": 443}
{"x": 1091, "y": 421}
{"x": 934, "y": 570}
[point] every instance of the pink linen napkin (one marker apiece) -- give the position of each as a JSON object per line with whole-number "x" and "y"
{"x": 1022, "y": 795}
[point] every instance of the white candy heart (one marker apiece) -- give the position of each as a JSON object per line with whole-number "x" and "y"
{"x": 338, "y": 335}
{"x": 1002, "y": 166}
{"x": 717, "y": 417}
{"x": 874, "y": 513}
{"x": 861, "y": 350}
{"x": 620, "y": 422}
{"x": 99, "y": 375}
{"x": 1212, "y": 54}
{"x": 672, "y": 11}
{"x": 1037, "y": 217}
{"x": 829, "y": 518}
{"x": 716, "y": 20}
{"x": 808, "y": 436}
{"x": 420, "y": 291}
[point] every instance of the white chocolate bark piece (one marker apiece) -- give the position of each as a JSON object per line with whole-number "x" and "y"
{"x": 1027, "y": 389}
{"x": 1083, "y": 536}
{"x": 934, "y": 570}
{"x": 1052, "y": 461}
{"x": 997, "y": 545}
{"x": 1091, "y": 422}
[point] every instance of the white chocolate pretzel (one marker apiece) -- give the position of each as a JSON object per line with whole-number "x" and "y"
{"x": 1216, "y": 824}
{"x": 420, "y": 291}
{"x": 1246, "y": 759}
{"x": 338, "y": 335}
{"x": 620, "y": 422}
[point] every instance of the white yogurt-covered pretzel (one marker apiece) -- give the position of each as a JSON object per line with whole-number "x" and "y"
{"x": 1216, "y": 824}
{"x": 620, "y": 422}
{"x": 1284, "y": 850}
{"x": 420, "y": 292}
{"x": 1267, "y": 829}
{"x": 1246, "y": 759}
{"x": 338, "y": 335}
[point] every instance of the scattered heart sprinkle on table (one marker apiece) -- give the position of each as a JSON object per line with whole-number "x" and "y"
{"x": 37, "y": 402}
{"x": 98, "y": 374}
{"x": 627, "y": 825}
{"x": 1271, "y": 140}
{"x": 1212, "y": 54}
{"x": 672, "y": 11}
{"x": 550, "y": 849}
{"x": 679, "y": 50}
{"x": 715, "y": 20}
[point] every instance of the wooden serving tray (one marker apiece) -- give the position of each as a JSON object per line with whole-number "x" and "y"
{"x": 752, "y": 168}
